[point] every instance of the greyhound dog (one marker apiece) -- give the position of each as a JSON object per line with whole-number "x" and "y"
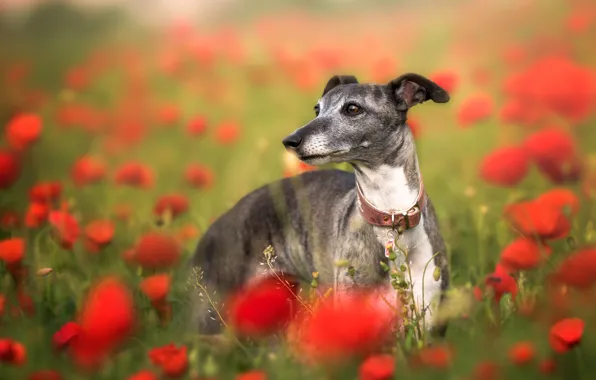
{"x": 321, "y": 218}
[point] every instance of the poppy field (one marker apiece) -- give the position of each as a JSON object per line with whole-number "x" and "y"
{"x": 121, "y": 143}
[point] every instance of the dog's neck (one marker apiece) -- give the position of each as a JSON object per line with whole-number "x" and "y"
{"x": 392, "y": 183}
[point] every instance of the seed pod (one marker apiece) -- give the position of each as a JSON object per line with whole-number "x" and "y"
{"x": 44, "y": 272}
{"x": 437, "y": 274}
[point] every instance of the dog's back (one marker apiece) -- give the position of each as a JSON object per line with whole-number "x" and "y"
{"x": 292, "y": 215}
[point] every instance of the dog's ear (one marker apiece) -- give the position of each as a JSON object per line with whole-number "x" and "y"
{"x": 338, "y": 80}
{"x": 411, "y": 89}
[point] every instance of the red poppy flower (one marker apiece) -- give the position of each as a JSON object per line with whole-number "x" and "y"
{"x": 199, "y": 176}
{"x": 579, "y": 21}
{"x": 566, "y": 334}
{"x": 263, "y": 307}
{"x": 65, "y": 228}
{"x": 37, "y": 214}
{"x": 23, "y": 130}
{"x": 414, "y": 125}
{"x": 547, "y": 366}
{"x": 538, "y": 219}
{"x": 143, "y": 375}
{"x": 45, "y": 374}
{"x": 175, "y": 204}
{"x": 486, "y": 370}
{"x": 2, "y": 304}
{"x": 506, "y": 166}
{"x": 524, "y": 254}
{"x": 168, "y": 114}
{"x": 10, "y": 169}
{"x": 555, "y": 153}
{"x": 9, "y": 219}
{"x": 156, "y": 250}
{"x": 255, "y": 374}
{"x": 514, "y": 54}
{"x": 475, "y": 109}
{"x": 522, "y": 353}
{"x": 107, "y": 318}
{"x": 501, "y": 282}
{"x": 515, "y": 111}
{"x": 187, "y": 233}
{"x": 555, "y": 83}
{"x": 448, "y": 80}
{"x": 156, "y": 287}
{"x": 134, "y": 174}
{"x": 579, "y": 269}
{"x": 383, "y": 69}
{"x": 87, "y": 170}
{"x": 45, "y": 192}
{"x": 355, "y": 326}
{"x": 172, "y": 360}
{"x": 98, "y": 234}
{"x": 439, "y": 357}
{"x": 12, "y": 250}
{"x": 562, "y": 199}
{"x": 12, "y": 352}
{"x": 377, "y": 367}
{"x": 66, "y": 334}
{"x": 77, "y": 78}
{"x": 227, "y": 133}
{"x": 196, "y": 126}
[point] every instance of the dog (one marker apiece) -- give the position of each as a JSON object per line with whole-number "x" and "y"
{"x": 321, "y": 218}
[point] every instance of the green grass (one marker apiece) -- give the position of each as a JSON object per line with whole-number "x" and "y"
{"x": 469, "y": 210}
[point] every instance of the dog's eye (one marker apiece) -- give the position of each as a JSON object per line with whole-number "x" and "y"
{"x": 317, "y": 110}
{"x": 353, "y": 109}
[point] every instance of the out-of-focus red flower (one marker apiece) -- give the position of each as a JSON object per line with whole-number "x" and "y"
{"x": 9, "y": 219}
{"x": 227, "y": 132}
{"x": 414, "y": 125}
{"x": 2, "y": 304}
{"x": 143, "y": 375}
{"x": 353, "y": 327}
{"x": 122, "y": 211}
{"x": 156, "y": 288}
{"x": 562, "y": 199}
{"x": 554, "y": 152}
{"x": 45, "y": 192}
{"x": 515, "y": 111}
{"x": 98, "y": 234}
{"x": 65, "y": 228}
{"x": 45, "y": 374}
{"x": 197, "y": 126}
{"x": 383, "y": 69}
{"x": 156, "y": 250}
{"x": 77, "y": 78}
{"x": 262, "y": 308}
{"x": 65, "y": 335}
{"x": 107, "y": 318}
{"x": 87, "y": 170}
{"x": 501, "y": 282}
{"x": 37, "y": 214}
{"x": 522, "y": 353}
{"x": 486, "y": 370}
{"x": 505, "y": 166}
{"x": 377, "y": 367}
{"x": 578, "y": 270}
{"x": 547, "y": 366}
{"x": 255, "y": 374}
{"x": 10, "y": 169}
{"x": 172, "y": 360}
{"x": 524, "y": 254}
{"x": 175, "y": 204}
{"x": 12, "y": 352}
{"x": 447, "y": 79}
{"x": 199, "y": 176}
{"x": 134, "y": 174}
{"x": 12, "y": 251}
{"x": 168, "y": 115}
{"x": 579, "y": 21}
{"x": 538, "y": 219}
{"x": 439, "y": 357}
{"x": 23, "y": 130}
{"x": 475, "y": 109}
{"x": 187, "y": 233}
{"x": 514, "y": 54}
{"x": 555, "y": 83}
{"x": 566, "y": 334}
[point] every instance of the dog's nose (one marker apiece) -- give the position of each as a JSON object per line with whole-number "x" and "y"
{"x": 292, "y": 141}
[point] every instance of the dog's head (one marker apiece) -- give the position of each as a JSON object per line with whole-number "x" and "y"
{"x": 359, "y": 122}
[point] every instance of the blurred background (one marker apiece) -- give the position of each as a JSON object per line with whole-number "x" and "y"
{"x": 134, "y": 100}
